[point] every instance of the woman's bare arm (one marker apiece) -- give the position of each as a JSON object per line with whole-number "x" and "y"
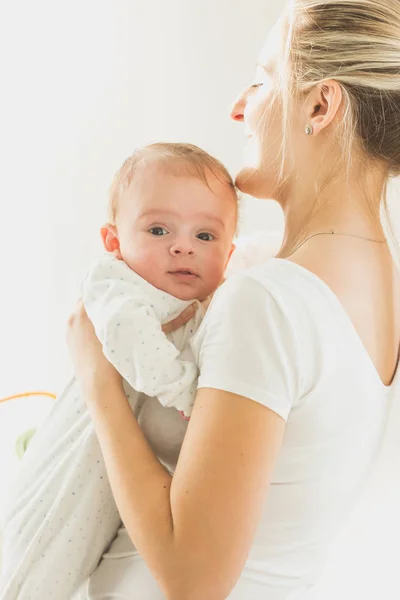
{"x": 194, "y": 530}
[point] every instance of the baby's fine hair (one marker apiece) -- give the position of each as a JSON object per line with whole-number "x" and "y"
{"x": 177, "y": 158}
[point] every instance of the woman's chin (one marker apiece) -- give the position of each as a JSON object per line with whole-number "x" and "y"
{"x": 251, "y": 181}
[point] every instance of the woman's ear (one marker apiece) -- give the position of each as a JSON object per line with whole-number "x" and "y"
{"x": 323, "y": 104}
{"x": 109, "y": 235}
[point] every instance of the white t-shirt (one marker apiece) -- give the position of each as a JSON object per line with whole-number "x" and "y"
{"x": 278, "y": 335}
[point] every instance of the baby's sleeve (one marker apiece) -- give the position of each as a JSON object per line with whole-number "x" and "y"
{"x": 127, "y": 325}
{"x": 246, "y": 345}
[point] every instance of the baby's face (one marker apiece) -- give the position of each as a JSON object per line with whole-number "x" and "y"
{"x": 176, "y": 232}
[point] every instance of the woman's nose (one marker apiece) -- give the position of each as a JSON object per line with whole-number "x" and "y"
{"x": 237, "y": 109}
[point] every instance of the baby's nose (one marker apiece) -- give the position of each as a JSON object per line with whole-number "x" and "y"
{"x": 181, "y": 247}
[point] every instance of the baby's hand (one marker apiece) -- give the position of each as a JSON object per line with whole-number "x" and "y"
{"x": 183, "y": 318}
{"x": 186, "y": 315}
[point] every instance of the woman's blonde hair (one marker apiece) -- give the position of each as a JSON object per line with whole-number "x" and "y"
{"x": 177, "y": 158}
{"x": 356, "y": 43}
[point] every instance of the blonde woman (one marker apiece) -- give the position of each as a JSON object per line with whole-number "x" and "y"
{"x": 298, "y": 356}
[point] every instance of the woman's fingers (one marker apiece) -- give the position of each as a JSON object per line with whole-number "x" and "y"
{"x": 75, "y": 314}
{"x": 183, "y": 318}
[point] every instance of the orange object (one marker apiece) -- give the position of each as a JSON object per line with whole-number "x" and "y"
{"x": 25, "y": 394}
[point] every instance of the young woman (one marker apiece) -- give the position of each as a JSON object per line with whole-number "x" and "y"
{"x": 298, "y": 356}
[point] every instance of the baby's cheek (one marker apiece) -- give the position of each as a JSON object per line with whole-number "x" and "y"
{"x": 144, "y": 263}
{"x": 213, "y": 275}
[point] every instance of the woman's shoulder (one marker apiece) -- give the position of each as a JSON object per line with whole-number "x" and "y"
{"x": 254, "y": 264}
{"x": 254, "y": 249}
{"x": 250, "y": 339}
{"x": 280, "y": 278}
{"x": 277, "y": 294}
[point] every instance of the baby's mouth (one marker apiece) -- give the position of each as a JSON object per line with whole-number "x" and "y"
{"x": 184, "y": 273}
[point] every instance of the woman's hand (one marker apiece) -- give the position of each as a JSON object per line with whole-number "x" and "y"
{"x": 91, "y": 366}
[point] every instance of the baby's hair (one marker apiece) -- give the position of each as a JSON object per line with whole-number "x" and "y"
{"x": 176, "y": 158}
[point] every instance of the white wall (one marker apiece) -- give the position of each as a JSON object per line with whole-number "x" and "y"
{"x": 87, "y": 81}
{"x": 83, "y": 83}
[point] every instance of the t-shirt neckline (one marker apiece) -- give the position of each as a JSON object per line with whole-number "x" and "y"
{"x": 344, "y": 315}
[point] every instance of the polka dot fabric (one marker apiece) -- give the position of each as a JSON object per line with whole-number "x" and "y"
{"x": 61, "y": 515}
{"x": 127, "y": 313}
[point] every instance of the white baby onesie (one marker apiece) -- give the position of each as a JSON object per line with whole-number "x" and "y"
{"x": 61, "y": 515}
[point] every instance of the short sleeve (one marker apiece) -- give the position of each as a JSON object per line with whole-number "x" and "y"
{"x": 246, "y": 345}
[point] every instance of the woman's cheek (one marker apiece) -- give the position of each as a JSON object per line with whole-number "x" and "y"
{"x": 252, "y": 154}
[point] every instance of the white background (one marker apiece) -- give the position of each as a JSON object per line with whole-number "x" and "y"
{"x": 82, "y": 84}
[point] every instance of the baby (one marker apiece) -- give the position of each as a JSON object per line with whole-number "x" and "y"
{"x": 173, "y": 215}
{"x": 172, "y": 231}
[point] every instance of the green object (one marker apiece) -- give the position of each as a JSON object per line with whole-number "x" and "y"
{"x": 23, "y": 441}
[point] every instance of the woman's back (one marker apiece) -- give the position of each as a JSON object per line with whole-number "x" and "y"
{"x": 363, "y": 277}
{"x": 332, "y": 436}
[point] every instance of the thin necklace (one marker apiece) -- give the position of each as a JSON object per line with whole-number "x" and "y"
{"x": 336, "y": 233}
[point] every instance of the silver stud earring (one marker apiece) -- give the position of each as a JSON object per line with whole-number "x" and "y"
{"x": 309, "y": 130}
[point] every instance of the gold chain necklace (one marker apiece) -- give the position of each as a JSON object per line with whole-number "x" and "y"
{"x": 336, "y": 233}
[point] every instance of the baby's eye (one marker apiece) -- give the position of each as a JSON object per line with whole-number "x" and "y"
{"x": 207, "y": 237}
{"x": 158, "y": 231}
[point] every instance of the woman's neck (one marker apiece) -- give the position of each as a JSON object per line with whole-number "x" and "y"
{"x": 343, "y": 208}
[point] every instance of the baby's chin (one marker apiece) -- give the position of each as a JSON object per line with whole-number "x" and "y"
{"x": 188, "y": 293}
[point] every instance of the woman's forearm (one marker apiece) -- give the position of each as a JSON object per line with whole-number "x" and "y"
{"x": 140, "y": 484}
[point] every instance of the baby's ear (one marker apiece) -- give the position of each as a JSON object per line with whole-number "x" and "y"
{"x": 233, "y": 248}
{"x": 109, "y": 235}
